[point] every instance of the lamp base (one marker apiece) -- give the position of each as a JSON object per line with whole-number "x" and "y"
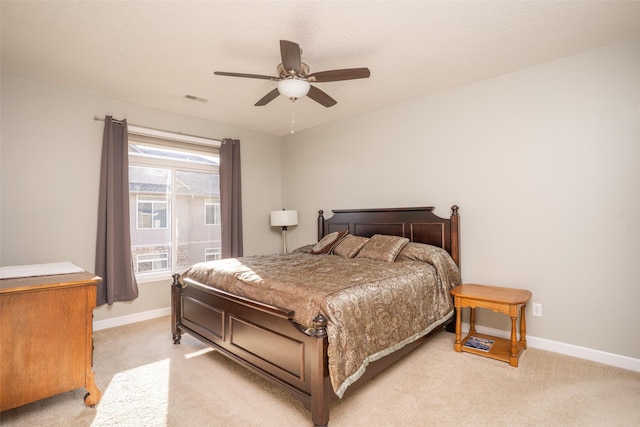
{"x": 284, "y": 240}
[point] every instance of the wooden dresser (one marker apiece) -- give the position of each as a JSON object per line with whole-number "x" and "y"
{"x": 46, "y": 327}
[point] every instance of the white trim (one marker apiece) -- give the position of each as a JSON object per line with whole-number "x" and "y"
{"x": 599, "y": 356}
{"x": 593, "y": 355}
{"x": 155, "y": 276}
{"x": 130, "y": 318}
{"x": 173, "y": 136}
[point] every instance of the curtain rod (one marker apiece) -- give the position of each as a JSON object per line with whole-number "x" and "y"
{"x": 97, "y": 118}
{"x": 102, "y": 120}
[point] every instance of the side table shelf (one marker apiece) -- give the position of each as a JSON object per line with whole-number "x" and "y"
{"x": 498, "y": 299}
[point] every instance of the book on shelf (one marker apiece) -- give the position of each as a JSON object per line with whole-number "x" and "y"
{"x": 477, "y": 343}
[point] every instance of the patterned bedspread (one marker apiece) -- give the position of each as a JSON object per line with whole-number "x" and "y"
{"x": 373, "y": 307}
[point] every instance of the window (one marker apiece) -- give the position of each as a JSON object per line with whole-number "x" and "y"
{"x": 152, "y": 262}
{"x": 211, "y": 212}
{"x": 211, "y": 254}
{"x": 174, "y": 197}
{"x": 152, "y": 211}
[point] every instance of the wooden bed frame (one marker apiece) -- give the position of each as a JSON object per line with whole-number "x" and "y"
{"x": 266, "y": 340}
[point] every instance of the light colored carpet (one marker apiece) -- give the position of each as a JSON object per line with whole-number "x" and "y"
{"x": 146, "y": 380}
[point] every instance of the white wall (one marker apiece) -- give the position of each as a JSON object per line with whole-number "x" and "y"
{"x": 544, "y": 163}
{"x": 50, "y": 166}
{"x": 545, "y": 166}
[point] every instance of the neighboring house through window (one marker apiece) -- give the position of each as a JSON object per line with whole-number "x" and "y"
{"x": 211, "y": 254}
{"x": 174, "y": 194}
{"x": 212, "y": 212}
{"x": 152, "y": 211}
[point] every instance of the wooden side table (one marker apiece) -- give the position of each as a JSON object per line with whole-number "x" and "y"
{"x": 498, "y": 299}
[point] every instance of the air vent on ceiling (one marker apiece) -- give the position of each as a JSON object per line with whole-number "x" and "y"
{"x": 196, "y": 98}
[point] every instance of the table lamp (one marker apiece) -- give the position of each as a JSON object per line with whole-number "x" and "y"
{"x": 284, "y": 219}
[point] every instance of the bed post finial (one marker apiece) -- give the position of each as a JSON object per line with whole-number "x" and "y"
{"x": 454, "y": 210}
{"x": 320, "y": 326}
{"x": 320, "y": 224}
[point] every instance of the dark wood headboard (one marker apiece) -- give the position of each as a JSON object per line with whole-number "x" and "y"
{"x": 419, "y": 225}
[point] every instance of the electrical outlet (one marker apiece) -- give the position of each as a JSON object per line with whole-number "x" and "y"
{"x": 536, "y": 309}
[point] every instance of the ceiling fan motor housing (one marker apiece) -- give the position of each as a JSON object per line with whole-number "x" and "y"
{"x": 283, "y": 73}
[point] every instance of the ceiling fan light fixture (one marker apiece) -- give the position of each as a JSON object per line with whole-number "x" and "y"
{"x": 293, "y": 88}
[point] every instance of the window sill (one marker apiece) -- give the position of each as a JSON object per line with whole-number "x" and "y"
{"x": 164, "y": 276}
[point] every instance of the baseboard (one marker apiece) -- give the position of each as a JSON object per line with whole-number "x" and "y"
{"x": 599, "y": 356}
{"x": 130, "y": 318}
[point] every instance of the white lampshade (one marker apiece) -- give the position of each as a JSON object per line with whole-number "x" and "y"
{"x": 284, "y": 218}
{"x": 293, "y": 88}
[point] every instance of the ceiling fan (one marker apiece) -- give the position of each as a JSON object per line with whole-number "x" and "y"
{"x": 294, "y": 79}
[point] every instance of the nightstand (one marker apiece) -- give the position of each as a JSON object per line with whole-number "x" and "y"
{"x": 498, "y": 299}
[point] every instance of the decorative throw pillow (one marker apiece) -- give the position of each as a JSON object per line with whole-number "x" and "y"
{"x": 306, "y": 249}
{"x": 350, "y": 246}
{"x": 418, "y": 252}
{"x": 327, "y": 243}
{"x": 382, "y": 247}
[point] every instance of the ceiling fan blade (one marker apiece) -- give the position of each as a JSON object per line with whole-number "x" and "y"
{"x": 321, "y": 97}
{"x": 249, "y": 76}
{"x": 268, "y": 98}
{"x": 290, "y": 53}
{"x": 337, "y": 75}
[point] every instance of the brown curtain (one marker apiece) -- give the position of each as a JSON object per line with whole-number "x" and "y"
{"x": 113, "y": 250}
{"x": 230, "y": 198}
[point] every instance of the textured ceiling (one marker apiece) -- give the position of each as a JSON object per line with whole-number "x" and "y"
{"x": 156, "y": 52}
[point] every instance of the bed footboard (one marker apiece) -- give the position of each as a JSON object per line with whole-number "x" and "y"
{"x": 259, "y": 336}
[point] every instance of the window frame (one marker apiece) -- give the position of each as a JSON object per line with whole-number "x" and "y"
{"x": 216, "y": 212}
{"x": 217, "y": 254}
{"x": 168, "y": 140}
{"x": 157, "y": 257}
{"x": 164, "y": 201}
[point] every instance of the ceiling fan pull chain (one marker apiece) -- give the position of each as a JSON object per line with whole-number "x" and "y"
{"x": 293, "y": 117}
